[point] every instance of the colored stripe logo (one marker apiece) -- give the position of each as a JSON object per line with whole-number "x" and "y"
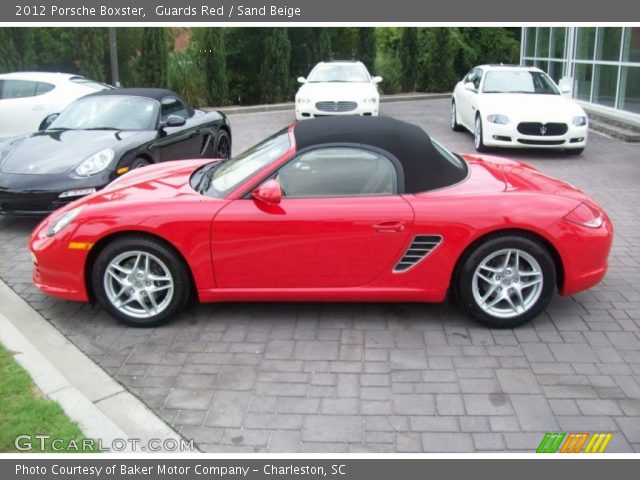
{"x": 577, "y": 442}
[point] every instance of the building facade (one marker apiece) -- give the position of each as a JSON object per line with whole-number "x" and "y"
{"x": 602, "y": 64}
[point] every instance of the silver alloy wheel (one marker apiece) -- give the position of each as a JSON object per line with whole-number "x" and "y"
{"x": 477, "y": 133}
{"x": 453, "y": 115}
{"x": 138, "y": 284}
{"x": 507, "y": 283}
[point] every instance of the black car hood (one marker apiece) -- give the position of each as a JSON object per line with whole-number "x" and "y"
{"x": 51, "y": 152}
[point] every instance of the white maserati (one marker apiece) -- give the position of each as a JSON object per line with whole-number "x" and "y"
{"x": 337, "y": 88}
{"x": 511, "y": 106}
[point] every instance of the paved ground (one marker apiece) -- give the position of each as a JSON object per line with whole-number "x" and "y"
{"x": 396, "y": 377}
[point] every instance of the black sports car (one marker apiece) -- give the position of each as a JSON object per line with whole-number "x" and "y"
{"x": 100, "y": 137}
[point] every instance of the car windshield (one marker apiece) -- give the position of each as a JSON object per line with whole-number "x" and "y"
{"x": 338, "y": 73}
{"x": 228, "y": 175}
{"x": 519, "y": 81}
{"x": 108, "y": 112}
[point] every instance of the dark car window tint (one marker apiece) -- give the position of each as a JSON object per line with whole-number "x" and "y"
{"x": 338, "y": 172}
{"x": 173, "y": 106}
{"x": 17, "y": 89}
{"x": 44, "y": 87}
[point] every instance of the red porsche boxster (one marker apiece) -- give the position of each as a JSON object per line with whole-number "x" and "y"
{"x": 331, "y": 209}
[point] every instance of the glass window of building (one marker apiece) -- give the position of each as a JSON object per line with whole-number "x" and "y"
{"x": 582, "y": 81}
{"x": 530, "y": 42}
{"x": 609, "y": 44}
{"x": 558, "y": 37}
{"x": 542, "y": 42}
{"x": 605, "y": 83}
{"x": 585, "y": 44}
{"x": 630, "y": 89}
{"x": 631, "y": 48}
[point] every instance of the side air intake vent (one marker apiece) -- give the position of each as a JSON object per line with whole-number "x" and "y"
{"x": 421, "y": 246}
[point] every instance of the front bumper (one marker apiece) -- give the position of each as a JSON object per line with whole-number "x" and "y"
{"x": 39, "y": 195}
{"x": 497, "y": 135}
{"x": 58, "y": 263}
{"x": 308, "y": 110}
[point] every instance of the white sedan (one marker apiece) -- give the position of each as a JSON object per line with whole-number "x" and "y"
{"x": 337, "y": 88}
{"x": 510, "y": 106}
{"x": 27, "y": 98}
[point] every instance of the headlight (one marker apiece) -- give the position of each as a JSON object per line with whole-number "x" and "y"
{"x": 497, "y": 118}
{"x": 63, "y": 221}
{"x": 579, "y": 121}
{"x": 95, "y": 163}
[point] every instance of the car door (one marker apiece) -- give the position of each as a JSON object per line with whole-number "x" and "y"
{"x": 178, "y": 143}
{"x": 468, "y": 106}
{"x": 340, "y": 224}
{"x": 23, "y": 106}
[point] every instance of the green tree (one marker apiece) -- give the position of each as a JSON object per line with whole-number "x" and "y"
{"x": 154, "y": 56}
{"x": 367, "y": 47}
{"x": 17, "y": 50}
{"x": 274, "y": 75}
{"x": 91, "y": 49}
{"x": 436, "y": 65}
{"x": 324, "y": 44}
{"x": 212, "y": 55}
{"x": 408, "y": 54}
{"x": 245, "y": 55}
{"x": 387, "y": 61}
{"x": 344, "y": 43}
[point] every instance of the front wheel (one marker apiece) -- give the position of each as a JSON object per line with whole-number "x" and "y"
{"x": 140, "y": 281}
{"x": 455, "y": 126}
{"x": 478, "y": 139}
{"x": 506, "y": 281}
{"x": 223, "y": 145}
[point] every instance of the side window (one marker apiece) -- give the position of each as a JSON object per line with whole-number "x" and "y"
{"x": 477, "y": 78}
{"x": 17, "y": 89}
{"x": 173, "y": 106}
{"x": 44, "y": 87}
{"x": 338, "y": 172}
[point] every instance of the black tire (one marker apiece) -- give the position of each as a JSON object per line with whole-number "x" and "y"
{"x": 478, "y": 139}
{"x": 455, "y": 126}
{"x": 139, "y": 162}
{"x": 574, "y": 151}
{"x": 169, "y": 261}
{"x": 222, "y": 145}
{"x": 471, "y": 262}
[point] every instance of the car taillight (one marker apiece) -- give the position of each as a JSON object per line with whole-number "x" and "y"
{"x": 585, "y": 215}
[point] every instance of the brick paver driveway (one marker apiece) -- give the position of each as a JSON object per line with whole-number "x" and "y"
{"x": 386, "y": 377}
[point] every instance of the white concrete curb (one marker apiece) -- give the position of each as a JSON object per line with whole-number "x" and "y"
{"x": 103, "y": 409}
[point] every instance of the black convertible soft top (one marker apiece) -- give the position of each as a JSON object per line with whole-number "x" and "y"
{"x": 425, "y": 167}
{"x": 154, "y": 93}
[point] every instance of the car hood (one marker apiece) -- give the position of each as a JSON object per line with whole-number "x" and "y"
{"x": 52, "y": 152}
{"x": 354, "y": 91}
{"x": 532, "y": 107}
{"x": 167, "y": 181}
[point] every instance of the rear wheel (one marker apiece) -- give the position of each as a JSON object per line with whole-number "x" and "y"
{"x": 223, "y": 145}
{"x": 140, "y": 281}
{"x": 478, "y": 139}
{"x": 506, "y": 281}
{"x": 455, "y": 126}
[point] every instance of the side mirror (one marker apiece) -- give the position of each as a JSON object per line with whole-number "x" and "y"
{"x": 302, "y": 80}
{"x": 376, "y": 79}
{"x": 269, "y": 192}
{"x": 48, "y": 120}
{"x": 470, "y": 86}
{"x": 565, "y": 88}
{"x": 173, "y": 121}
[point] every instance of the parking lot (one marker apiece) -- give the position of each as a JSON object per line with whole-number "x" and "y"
{"x": 386, "y": 377}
